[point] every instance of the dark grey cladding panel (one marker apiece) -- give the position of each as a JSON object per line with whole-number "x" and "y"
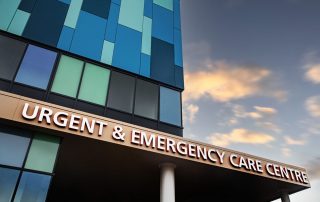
{"x": 46, "y": 21}
{"x": 162, "y": 61}
{"x": 97, "y": 7}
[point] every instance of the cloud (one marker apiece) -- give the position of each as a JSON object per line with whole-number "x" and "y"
{"x": 240, "y": 135}
{"x": 312, "y": 67}
{"x": 269, "y": 126}
{"x": 290, "y": 141}
{"x": 313, "y": 168}
{"x": 233, "y": 121}
{"x": 189, "y": 112}
{"x": 266, "y": 110}
{"x": 259, "y": 113}
{"x": 224, "y": 83}
{"x": 313, "y": 74}
{"x": 312, "y": 105}
{"x": 286, "y": 152}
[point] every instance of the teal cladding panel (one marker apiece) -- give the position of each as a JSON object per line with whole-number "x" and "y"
{"x": 107, "y": 52}
{"x": 7, "y": 11}
{"x": 73, "y": 13}
{"x": 168, "y": 4}
{"x": 131, "y": 14}
{"x": 19, "y": 22}
{"x": 146, "y": 36}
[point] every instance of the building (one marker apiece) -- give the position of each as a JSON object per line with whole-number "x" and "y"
{"x": 91, "y": 110}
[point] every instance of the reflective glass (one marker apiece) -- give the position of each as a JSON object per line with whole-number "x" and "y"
{"x": 146, "y": 103}
{"x": 8, "y": 180}
{"x": 13, "y": 149}
{"x": 121, "y": 92}
{"x": 33, "y": 187}
{"x": 68, "y": 68}
{"x": 170, "y": 106}
{"x": 94, "y": 84}
{"x": 11, "y": 52}
{"x": 43, "y": 152}
{"x": 36, "y": 67}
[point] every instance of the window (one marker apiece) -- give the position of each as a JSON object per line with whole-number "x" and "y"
{"x": 121, "y": 92}
{"x": 94, "y": 84}
{"x": 170, "y": 106}
{"x": 68, "y": 68}
{"x": 8, "y": 180}
{"x": 43, "y": 152}
{"x": 41, "y": 156}
{"x": 36, "y": 67}
{"x": 13, "y": 149}
{"x": 11, "y": 52}
{"x": 146, "y": 103}
{"x": 32, "y": 187}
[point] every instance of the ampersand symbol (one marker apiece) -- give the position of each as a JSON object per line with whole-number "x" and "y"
{"x": 117, "y": 133}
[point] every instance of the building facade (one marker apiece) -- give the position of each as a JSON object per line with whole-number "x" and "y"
{"x": 73, "y": 71}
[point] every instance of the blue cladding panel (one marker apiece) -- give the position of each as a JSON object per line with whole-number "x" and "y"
{"x": 162, "y": 61}
{"x": 162, "y": 23}
{"x": 97, "y": 7}
{"x": 127, "y": 49}
{"x": 65, "y": 38}
{"x": 170, "y": 106}
{"x": 148, "y": 8}
{"x": 36, "y": 67}
{"x": 177, "y": 48}
{"x": 32, "y": 187}
{"x": 27, "y": 5}
{"x": 13, "y": 149}
{"x": 46, "y": 22}
{"x": 145, "y": 65}
{"x": 177, "y": 22}
{"x": 179, "y": 77}
{"x": 112, "y": 22}
{"x": 117, "y": 2}
{"x": 86, "y": 41}
{"x": 8, "y": 180}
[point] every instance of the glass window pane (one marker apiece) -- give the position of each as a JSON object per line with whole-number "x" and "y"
{"x": 36, "y": 67}
{"x": 8, "y": 180}
{"x": 43, "y": 152}
{"x": 170, "y": 106}
{"x": 13, "y": 149}
{"x": 32, "y": 187}
{"x": 146, "y": 103}
{"x": 94, "y": 84}
{"x": 121, "y": 92}
{"x": 68, "y": 68}
{"x": 11, "y": 52}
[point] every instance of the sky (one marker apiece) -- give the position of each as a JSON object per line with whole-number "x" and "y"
{"x": 252, "y": 79}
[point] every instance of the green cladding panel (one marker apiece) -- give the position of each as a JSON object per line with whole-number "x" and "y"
{"x": 94, "y": 84}
{"x": 43, "y": 152}
{"x": 68, "y": 68}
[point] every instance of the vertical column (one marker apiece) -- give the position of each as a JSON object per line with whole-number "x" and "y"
{"x": 285, "y": 197}
{"x": 167, "y": 184}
